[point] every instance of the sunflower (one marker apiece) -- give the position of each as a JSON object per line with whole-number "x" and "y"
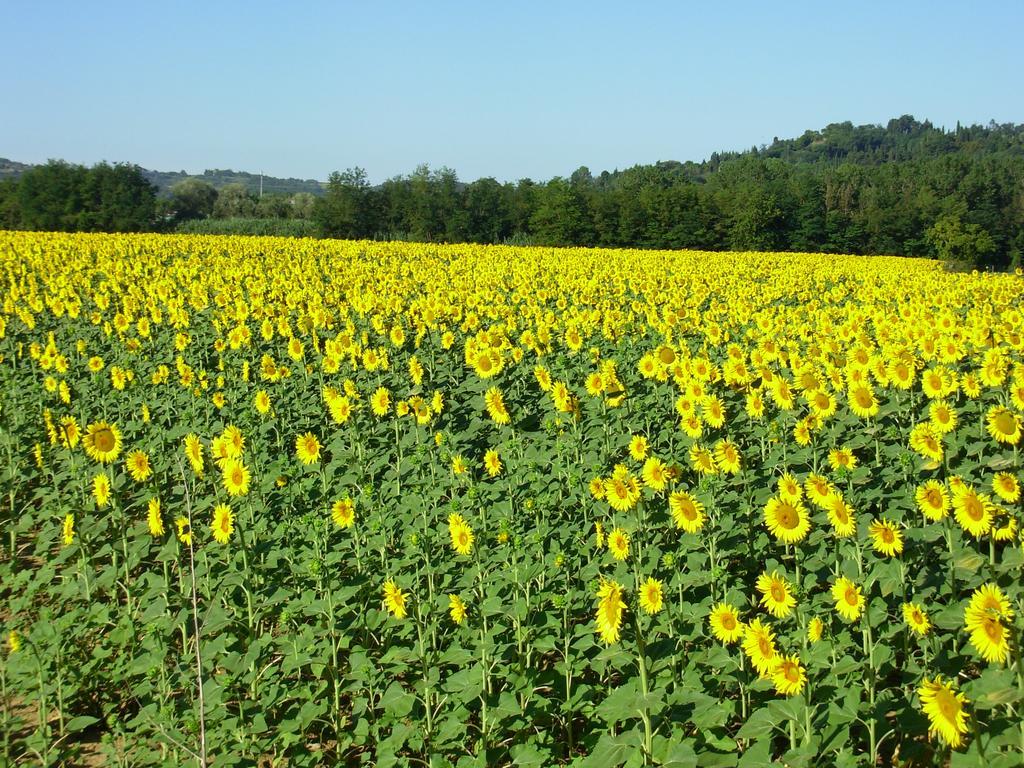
{"x": 621, "y": 491}
{"x": 68, "y": 531}
{"x": 840, "y": 516}
{"x": 394, "y": 599}
{"x": 848, "y": 598}
{"x": 343, "y": 513}
{"x": 687, "y": 512}
{"x": 652, "y": 596}
{"x": 815, "y": 627}
{"x": 916, "y": 619}
{"x": 692, "y": 426}
{"x": 456, "y": 608}
{"x": 234, "y": 441}
{"x": 487, "y": 363}
{"x": 725, "y": 623}
{"x": 818, "y": 489}
{"x": 492, "y": 462}
{"x": 932, "y": 500}
{"x": 776, "y": 595}
{"x": 789, "y": 488}
{"x": 759, "y": 646}
{"x": 702, "y": 460}
{"x": 101, "y": 490}
{"x": 973, "y": 511}
{"x": 788, "y": 521}
{"x": 459, "y": 465}
{"x": 610, "y": 608}
{"x": 638, "y": 447}
{"x": 788, "y": 676}
{"x": 543, "y": 377}
{"x": 727, "y": 456}
{"x": 989, "y": 597}
{"x": 69, "y": 432}
{"x": 754, "y": 405}
{"x": 194, "y": 453}
{"x": 1006, "y": 487}
{"x": 598, "y": 534}
{"x": 1003, "y": 425}
{"x": 223, "y": 523}
{"x": 926, "y": 441}
{"x": 618, "y": 544}
{"x": 153, "y": 517}
{"x": 945, "y": 710}
{"x": 461, "y": 534}
{"x": 307, "y": 448}
{"x": 842, "y": 458}
{"x": 235, "y": 477}
{"x": 942, "y": 417}
{"x": 1007, "y": 532}
{"x": 713, "y": 411}
{"x": 380, "y": 402}
{"x": 495, "y": 403}
{"x": 102, "y": 442}
{"x": 654, "y": 474}
{"x": 137, "y": 464}
{"x": 184, "y": 531}
{"x": 886, "y": 537}
{"x": 863, "y": 401}
{"x": 261, "y": 402}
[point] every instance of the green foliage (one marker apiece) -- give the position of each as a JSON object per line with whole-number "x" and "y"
{"x": 249, "y": 226}
{"x": 959, "y": 244}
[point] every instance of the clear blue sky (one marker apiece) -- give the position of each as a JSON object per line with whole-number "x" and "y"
{"x": 490, "y": 89}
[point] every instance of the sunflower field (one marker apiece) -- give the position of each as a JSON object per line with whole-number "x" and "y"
{"x": 285, "y": 502}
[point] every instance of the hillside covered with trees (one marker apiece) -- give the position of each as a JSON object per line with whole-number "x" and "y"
{"x": 906, "y": 188}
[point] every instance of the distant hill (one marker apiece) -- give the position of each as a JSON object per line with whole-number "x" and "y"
{"x": 164, "y": 180}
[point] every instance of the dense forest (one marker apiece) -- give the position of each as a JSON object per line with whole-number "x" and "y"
{"x": 906, "y": 188}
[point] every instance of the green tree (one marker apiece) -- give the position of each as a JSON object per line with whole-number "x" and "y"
{"x": 234, "y": 202}
{"x": 959, "y": 244}
{"x": 192, "y": 199}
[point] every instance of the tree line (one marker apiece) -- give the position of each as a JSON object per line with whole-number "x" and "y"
{"x": 906, "y": 188}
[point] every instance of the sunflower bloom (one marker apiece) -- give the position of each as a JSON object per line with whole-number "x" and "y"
{"x": 973, "y": 511}
{"x": 343, "y": 513}
{"x": 137, "y": 464}
{"x": 307, "y": 448}
{"x": 945, "y": 710}
{"x": 456, "y": 608}
{"x": 915, "y": 617}
{"x": 68, "y": 531}
{"x": 1003, "y": 425}
{"x": 651, "y": 596}
{"x": 848, "y": 598}
{"x": 759, "y": 646}
{"x": 461, "y": 534}
{"x": 687, "y": 512}
{"x": 725, "y": 623}
{"x": 789, "y": 677}
{"x": 154, "y": 519}
{"x": 223, "y": 524}
{"x": 394, "y": 599}
{"x": 236, "y": 477}
{"x": 194, "y": 453}
{"x": 610, "y": 608}
{"x": 618, "y": 544}
{"x": 102, "y": 442}
{"x": 886, "y": 537}
{"x": 787, "y": 520}
{"x": 776, "y": 595}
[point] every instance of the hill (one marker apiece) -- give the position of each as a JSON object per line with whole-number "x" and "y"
{"x": 164, "y": 180}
